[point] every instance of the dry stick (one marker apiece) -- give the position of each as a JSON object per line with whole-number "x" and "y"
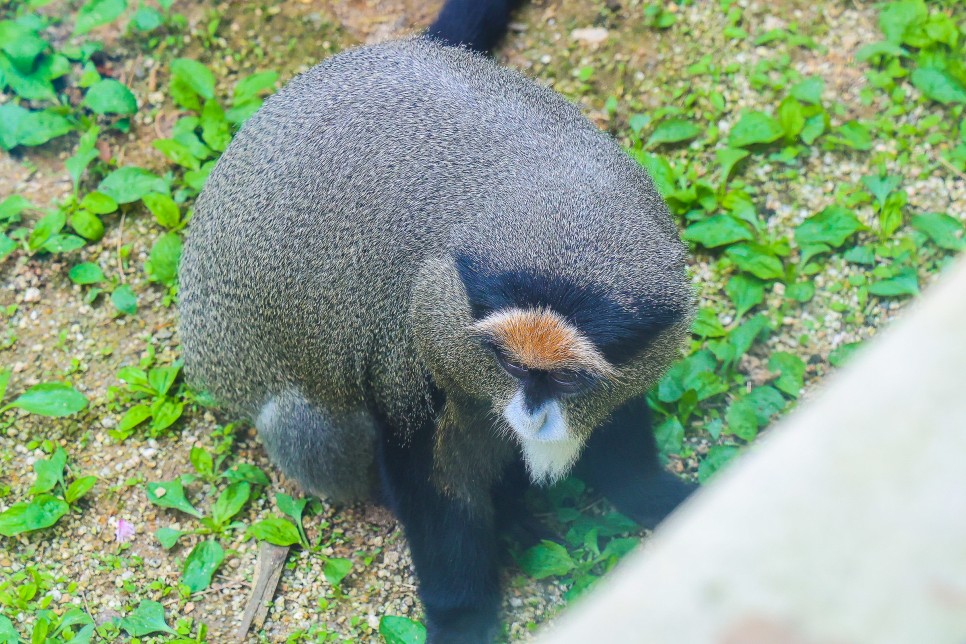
{"x": 268, "y": 570}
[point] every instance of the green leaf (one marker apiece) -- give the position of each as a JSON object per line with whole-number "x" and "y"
{"x": 546, "y": 559}
{"x": 160, "y": 379}
{"x": 21, "y": 44}
{"x": 85, "y": 153}
{"x": 674, "y": 131}
{"x": 251, "y": 86}
{"x": 742, "y": 420}
{"x": 50, "y": 472}
{"x": 890, "y": 219}
{"x": 168, "y": 537}
{"x": 814, "y": 128}
{"x": 215, "y": 130}
{"x": 36, "y": 128}
{"x": 291, "y": 507}
{"x": 690, "y": 374}
{"x": 124, "y": 300}
{"x": 230, "y": 502}
{"x": 11, "y": 116}
{"x": 842, "y": 354}
{"x": 401, "y": 630}
{"x": 201, "y": 564}
{"x": 52, "y": 399}
{"x": 879, "y": 50}
{"x": 170, "y": 494}
{"x": 791, "y": 115}
{"x": 45, "y": 228}
{"x": 133, "y": 417}
{"x": 202, "y": 462}
{"x": 746, "y": 292}
{"x": 63, "y": 243}
{"x": 95, "y": 13}
{"x": 800, "y": 291}
{"x": 4, "y": 381}
{"x": 832, "y": 226}
{"x": 165, "y": 414}
{"x": 670, "y": 436}
{"x": 275, "y": 530}
{"x": 938, "y": 85}
{"x": 881, "y": 187}
{"x": 854, "y": 135}
{"x": 77, "y": 489}
{"x": 165, "y": 256}
{"x": 177, "y": 152}
{"x": 147, "y": 618}
{"x": 897, "y": 18}
{"x": 246, "y": 472}
{"x": 757, "y": 260}
{"x": 943, "y": 230}
{"x": 718, "y": 230}
{"x": 729, "y": 158}
{"x": 905, "y": 283}
{"x": 746, "y": 334}
{"x": 792, "y": 370}
{"x": 189, "y": 80}
{"x": 108, "y": 96}
{"x": 753, "y": 128}
{"x": 706, "y": 324}
{"x": 335, "y": 570}
{"x": 12, "y": 206}
{"x": 8, "y": 634}
{"x": 128, "y": 184}
{"x": 7, "y": 246}
{"x": 164, "y": 209}
{"x": 718, "y": 457}
{"x": 98, "y": 203}
{"x": 87, "y": 225}
{"x": 42, "y": 512}
{"x": 809, "y": 90}
{"x": 147, "y": 19}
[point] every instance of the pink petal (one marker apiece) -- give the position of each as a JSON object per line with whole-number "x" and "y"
{"x": 124, "y": 531}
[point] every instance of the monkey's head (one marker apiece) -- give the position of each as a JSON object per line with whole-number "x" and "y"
{"x": 557, "y": 325}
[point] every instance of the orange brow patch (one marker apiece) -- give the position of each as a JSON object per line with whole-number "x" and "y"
{"x": 542, "y": 339}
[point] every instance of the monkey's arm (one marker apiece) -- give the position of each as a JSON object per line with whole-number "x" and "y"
{"x": 621, "y": 462}
{"x": 453, "y": 545}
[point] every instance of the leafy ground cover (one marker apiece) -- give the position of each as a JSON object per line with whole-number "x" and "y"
{"x": 813, "y": 153}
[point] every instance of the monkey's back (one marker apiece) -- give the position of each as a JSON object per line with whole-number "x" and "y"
{"x": 306, "y": 239}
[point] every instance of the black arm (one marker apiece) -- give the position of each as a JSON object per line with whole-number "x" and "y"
{"x": 621, "y": 462}
{"x": 477, "y": 24}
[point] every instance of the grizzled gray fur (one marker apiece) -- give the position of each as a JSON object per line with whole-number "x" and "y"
{"x": 318, "y": 287}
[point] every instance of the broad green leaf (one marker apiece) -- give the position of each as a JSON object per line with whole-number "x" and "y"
{"x": 164, "y": 209}
{"x": 215, "y": 130}
{"x": 753, "y": 128}
{"x": 842, "y": 354}
{"x": 170, "y": 494}
{"x": 291, "y": 507}
{"x": 177, "y": 152}
{"x": 8, "y": 634}
{"x": 202, "y": 462}
{"x": 253, "y": 85}
{"x": 659, "y": 169}
{"x": 674, "y": 130}
{"x": 743, "y": 336}
{"x": 809, "y": 90}
{"x": 879, "y": 50}
{"x": 63, "y": 243}
{"x": 108, "y": 96}
{"x": 128, "y": 184}
{"x": 165, "y": 414}
{"x": 45, "y": 228}
{"x": 36, "y": 128}
{"x": 943, "y": 230}
{"x": 832, "y": 226}
{"x": 160, "y": 379}
{"x": 10, "y": 118}
{"x": 42, "y": 512}
{"x": 146, "y": 619}
{"x": 814, "y": 128}
{"x": 742, "y": 420}
{"x": 189, "y": 80}
{"x": 791, "y": 115}
{"x": 168, "y": 537}
{"x": 11, "y": 207}
{"x": 706, "y": 324}
{"x": 147, "y": 19}
{"x": 4, "y": 381}
{"x": 692, "y": 373}
{"x": 7, "y": 246}
{"x": 98, "y": 203}
{"x": 718, "y": 457}
{"x": 800, "y": 291}
{"x": 133, "y": 417}
{"x": 77, "y": 489}
{"x": 546, "y": 559}
{"x": 757, "y": 260}
{"x": 401, "y": 630}
{"x": 87, "y": 225}
{"x": 52, "y": 399}
{"x": 729, "y": 158}
{"x": 854, "y": 135}
{"x": 246, "y": 472}
{"x": 124, "y": 300}
{"x": 905, "y": 283}
{"x": 95, "y": 13}
{"x": 165, "y": 256}
{"x": 201, "y": 564}
{"x": 335, "y": 570}
{"x": 896, "y": 19}
{"x": 50, "y": 472}
{"x": 746, "y": 292}
{"x": 792, "y": 370}
{"x": 275, "y": 530}
{"x": 881, "y": 187}
{"x": 85, "y": 153}
{"x": 718, "y": 230}
{"x": 938, "y": 85}
{"x": 890, "y": 219}
{"x": 230, "y": 502}
{"x": 669, "y": 436}
{"x": 21, "y": 44}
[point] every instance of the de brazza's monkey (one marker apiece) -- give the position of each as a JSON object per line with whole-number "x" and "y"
{"x": 431, "y": 282}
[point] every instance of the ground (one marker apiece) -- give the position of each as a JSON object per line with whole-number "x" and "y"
{"x": 847, "y": 195}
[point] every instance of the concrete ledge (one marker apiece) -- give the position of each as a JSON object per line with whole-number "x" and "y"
{"x": 847, "y": 523}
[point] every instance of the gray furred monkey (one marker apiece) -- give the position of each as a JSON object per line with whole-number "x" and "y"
{"x": 431, "y": 282}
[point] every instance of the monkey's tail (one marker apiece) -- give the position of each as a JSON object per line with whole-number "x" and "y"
{"x": 476, "y": 24}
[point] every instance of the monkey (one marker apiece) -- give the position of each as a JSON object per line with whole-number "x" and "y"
{"x": 432, "y": 283}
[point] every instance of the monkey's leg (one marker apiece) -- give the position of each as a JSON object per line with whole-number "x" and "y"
{"x": 453, "y": 544}
{"x": 332, "y": 456}
{"x": 621, "y": 462}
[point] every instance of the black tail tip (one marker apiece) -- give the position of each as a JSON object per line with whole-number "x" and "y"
{"x": 476, "y": 24}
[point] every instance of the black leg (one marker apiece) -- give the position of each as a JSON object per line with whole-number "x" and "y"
{"x": 453, "y": 544}
{"x": 621, "y": 462}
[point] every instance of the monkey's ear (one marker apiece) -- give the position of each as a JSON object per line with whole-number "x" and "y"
{"x": 441, "y": 319}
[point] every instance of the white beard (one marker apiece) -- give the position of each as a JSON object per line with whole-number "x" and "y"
{"x": 549, "y": 450}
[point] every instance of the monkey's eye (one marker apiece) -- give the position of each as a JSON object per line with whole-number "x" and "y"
{"x": 512, "y": 368}
{"x": 567, "y": 381}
